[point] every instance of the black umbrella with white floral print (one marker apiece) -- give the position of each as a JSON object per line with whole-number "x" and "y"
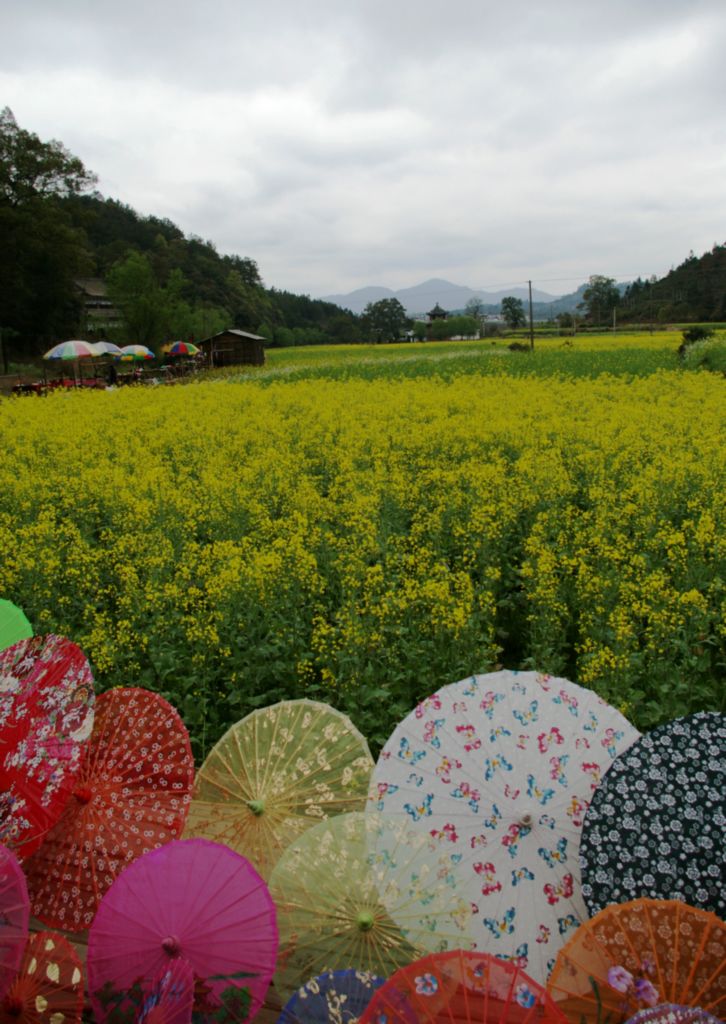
{"x": 656, "y": 825}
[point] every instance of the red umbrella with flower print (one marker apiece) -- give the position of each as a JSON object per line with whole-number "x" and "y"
{"x": 194, "y": 901}
{"x": 635, "y": 955}
{"x": 461, "y": 988}
{"x": 48, "y": 989}
{"x": 132, "y": 794}
{"x": 46, "y": 716}
{"x": 14, "y": 916}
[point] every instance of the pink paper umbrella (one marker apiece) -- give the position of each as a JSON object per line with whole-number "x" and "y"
{"x": 171, "y": 996}
{"x": 14, "y": 917}
{"x": 192, "y": 900}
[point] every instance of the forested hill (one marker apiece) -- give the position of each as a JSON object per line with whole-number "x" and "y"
{"x": 231, "y": 286}
{"x": 693, "y": 291}
{"x": 57, "y": 231}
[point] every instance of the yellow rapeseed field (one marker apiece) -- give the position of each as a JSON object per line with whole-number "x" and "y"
{"x": 230, "y": 544}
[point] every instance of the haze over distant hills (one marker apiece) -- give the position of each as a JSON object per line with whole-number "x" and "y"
{"x": 422, "y": 297}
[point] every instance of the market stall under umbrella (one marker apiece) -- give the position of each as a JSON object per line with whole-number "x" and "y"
{"x": 73, "y": 351}
{"x": 135, "y": 354}
{"x": 182, "y": 348}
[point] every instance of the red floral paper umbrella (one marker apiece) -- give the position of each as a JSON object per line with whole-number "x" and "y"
{"x": 46, "y": 717}
{"x": 14, "y": 916}
{"x": 195, "y": 901}
{"x": 131, "y": 795}
{"x": 461, "y": 988}
{"x": 48, "y": 989}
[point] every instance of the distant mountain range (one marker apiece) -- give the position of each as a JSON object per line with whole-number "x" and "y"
{"x": 422, "y": 297}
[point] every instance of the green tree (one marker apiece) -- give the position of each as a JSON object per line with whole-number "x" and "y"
{"x": 144, "y": 306}
{"x": 513, "y": 312}
{"x": 31, "y": 169}
{"x": 41, "y": 252}
{"x": 475, "y": 308}
{"x": 385, "y": 320}
{"x": 600, "y": 298}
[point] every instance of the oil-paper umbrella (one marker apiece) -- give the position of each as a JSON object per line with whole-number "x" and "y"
{"x": 14, "y": 625}
{"x": 498, "y": 771}
{"x": 14, "y": 917}
{"x": 635, "y": 955}
{"x": 461, "y": 988}
{"x": 170, "y": 998}
{"x": 656, "y": 826}
{"x": 337, "y": 897}
{"x": 46, "y": 717}
{"x": 276, "y": 773}
{"x": 49, "y": 986}
{"x": 131, "y": 795}
{"x": 336, "y": 997}
{"x": 668, "y": 1013}
{"x": 196, "y": 901}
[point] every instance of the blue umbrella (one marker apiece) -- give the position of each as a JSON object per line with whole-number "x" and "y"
{"x": 336, "y": 997}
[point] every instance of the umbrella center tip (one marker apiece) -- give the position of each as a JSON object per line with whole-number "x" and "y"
{"x": 256, "y": 806}
{"x": 14, "y": 1006}
{"x": 83, "y": 794}
{"x": 171, "y": 946}
{"x": 527, "y": 819}
{"x": 365, "y": 920}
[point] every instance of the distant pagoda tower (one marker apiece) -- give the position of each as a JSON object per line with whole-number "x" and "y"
{"x": 437, "y": 313}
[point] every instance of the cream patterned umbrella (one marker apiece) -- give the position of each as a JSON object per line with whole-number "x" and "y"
{"x": 276, "y": 773}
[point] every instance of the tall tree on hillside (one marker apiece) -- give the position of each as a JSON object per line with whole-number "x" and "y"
{"x": 513, "y": 312}
{"x": 475, "y": 308}
{"x": 41, "y": 252}
{"x": 600, "y": 298}
{"x": 385, "y": 320}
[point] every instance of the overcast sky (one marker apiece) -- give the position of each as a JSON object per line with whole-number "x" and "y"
{"x": 343, "y": 144}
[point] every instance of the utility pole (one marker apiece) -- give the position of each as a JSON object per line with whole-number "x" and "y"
{"x": 615, "y": 319}
{"x": 531, "y": 321}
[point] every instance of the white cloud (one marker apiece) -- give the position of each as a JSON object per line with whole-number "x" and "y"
{"x": 371, "y": 142}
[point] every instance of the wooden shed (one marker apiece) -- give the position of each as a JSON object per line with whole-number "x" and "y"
{"x": 234, "y": 348}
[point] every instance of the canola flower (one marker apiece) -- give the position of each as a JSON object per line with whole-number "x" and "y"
{"x": 363, "y": 542}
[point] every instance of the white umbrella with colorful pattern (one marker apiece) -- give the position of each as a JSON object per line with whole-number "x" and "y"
{"x": 499, "y": 770}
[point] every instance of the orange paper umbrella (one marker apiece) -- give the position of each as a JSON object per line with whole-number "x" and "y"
{"x": 461, "y": 988}
{"x": 131, "y": 795}
{"x": 49, "y": 986}
{"x": 638, "y": 954}
{"x": 46, "y": 715}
